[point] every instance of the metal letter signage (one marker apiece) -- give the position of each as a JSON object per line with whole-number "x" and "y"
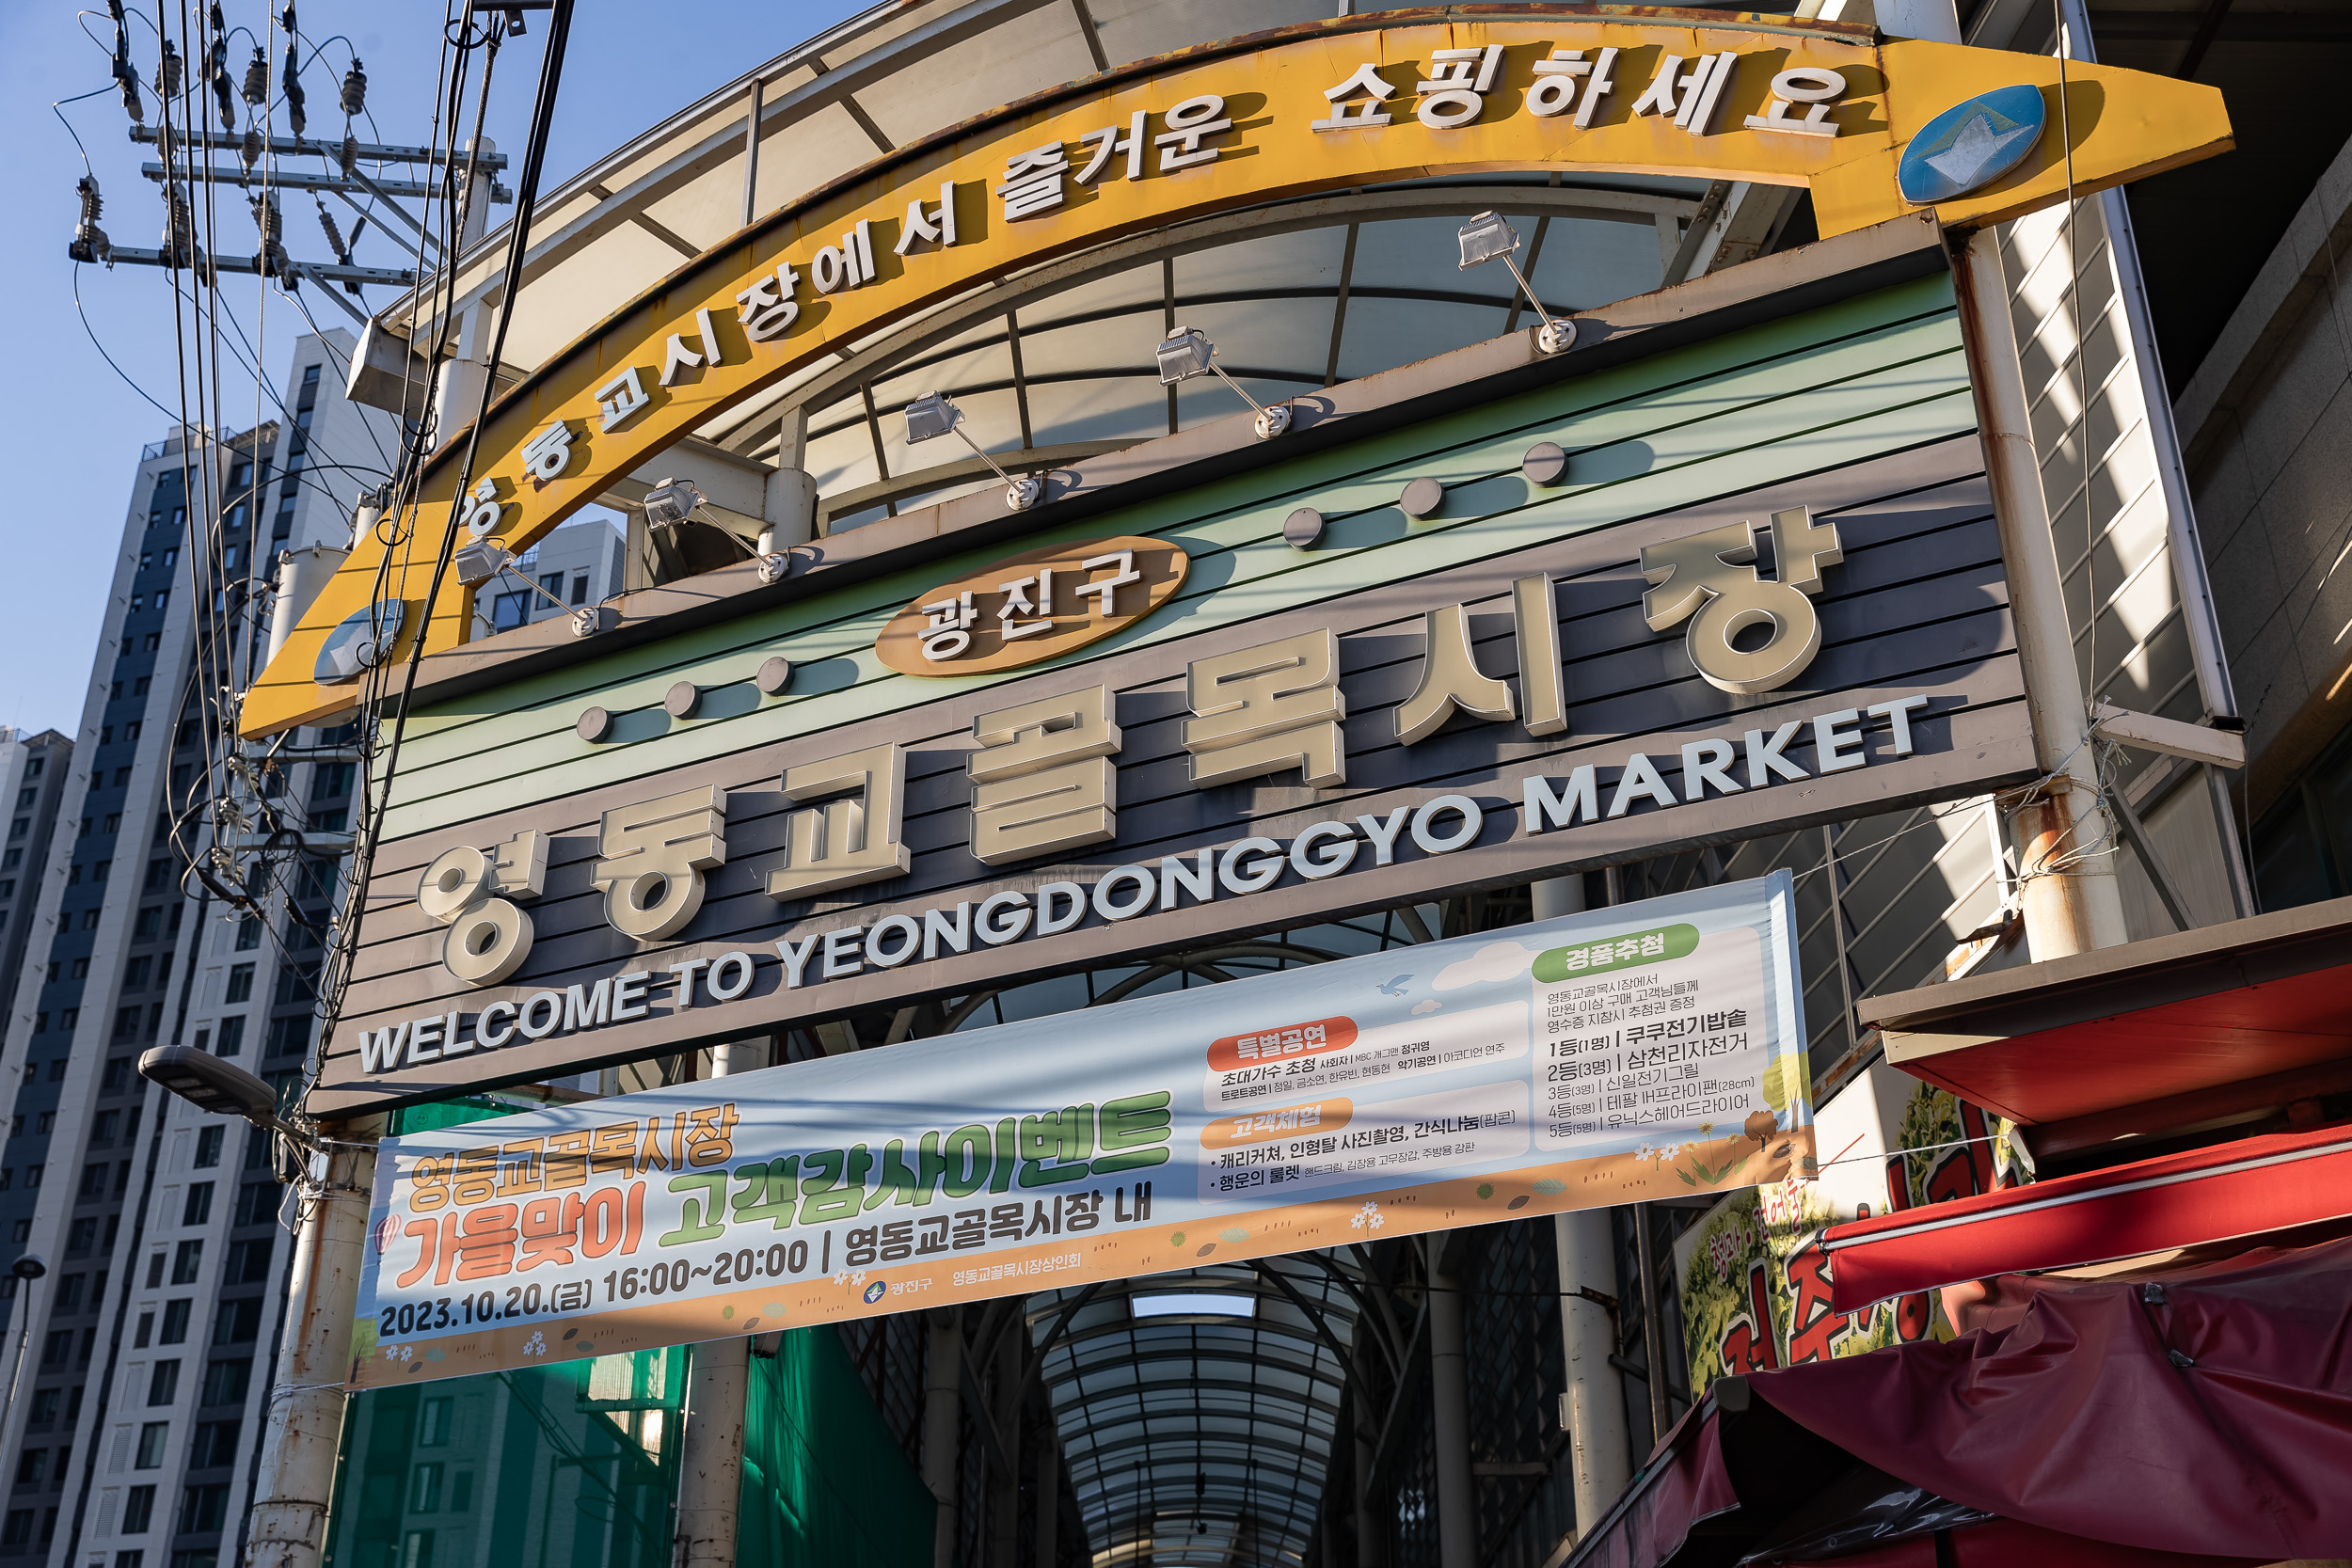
{"x": 1028, "y": 608}
{"x": 1535, "y": 680}
{"x": 1653, "y": 1049}
{"x": 1331, "y": 106}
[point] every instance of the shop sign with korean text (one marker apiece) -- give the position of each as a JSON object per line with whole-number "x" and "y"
{"x": 1753, "y": 1282}
{"x": 1642, "y": 1052}
{"x": 1699, "y": 627}
{"x": 1331, "y": 105}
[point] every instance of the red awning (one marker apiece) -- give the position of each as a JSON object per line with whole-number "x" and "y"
{"x": 2246, "y": 1188}
{"x": 2199, "y": 1419}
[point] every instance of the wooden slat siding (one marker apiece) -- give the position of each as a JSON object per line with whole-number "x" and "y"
{"x": 1933, "y": 546}
{"x": 1670, "y": 450}
{"x": 1934, "y": 524}
{"x": 860, "y": 683}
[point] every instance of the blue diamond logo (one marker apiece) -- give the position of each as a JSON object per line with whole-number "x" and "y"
{"x": 1971, "y": 144}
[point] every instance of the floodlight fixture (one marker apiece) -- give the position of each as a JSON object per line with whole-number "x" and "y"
{"x": 209, "y": 1083}
{"x": 1489, "y": 237}
{"x": 478, "y": 562}
{"x": 670, "y": 502}
{"x": 1187, "y": 351}
{"x": 931, "y": 415}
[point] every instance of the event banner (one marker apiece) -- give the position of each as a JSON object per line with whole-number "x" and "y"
{"x": 1645, "y": 1051}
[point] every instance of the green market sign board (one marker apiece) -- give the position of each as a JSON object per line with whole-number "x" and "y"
{"x": 1604, "y": 1059}
{"x": 1762, "y": 589}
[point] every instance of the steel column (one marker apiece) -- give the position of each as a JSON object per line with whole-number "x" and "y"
{"x": 2067, "y": 871}
{"x": 1449, "y": 1398}
{"x": 942, "y": 1414}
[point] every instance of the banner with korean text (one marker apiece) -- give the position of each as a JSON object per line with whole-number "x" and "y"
{"x": 1651, "y": 1049}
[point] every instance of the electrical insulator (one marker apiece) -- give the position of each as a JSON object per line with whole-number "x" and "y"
{"x": 257, "y": 77}
{"x": 294, "y": 85}
{"x": 348, "y": 154}
{"x": 167, "y": 71}
{"x": 250, "y": 148}
{"x": 90, "y": 241}
{"x": 354, "y": 91}
{"x": 178, "y": 230}
{"x": 224, "y": 95}
{"x": 334, "y": 235}
{"x": 268, "y": 219}
{"x": 122, "y": 71}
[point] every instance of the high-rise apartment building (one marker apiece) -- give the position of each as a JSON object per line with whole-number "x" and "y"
{"x": 131, "y": 1435}
{"x": 32, "y": 784}
{"x": 131, "y": 1439}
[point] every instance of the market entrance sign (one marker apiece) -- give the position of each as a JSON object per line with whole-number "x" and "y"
{"x": 1315, "y": 107}
{"x": 1650, "y": 1051}
{"x": 1786, "y": 610}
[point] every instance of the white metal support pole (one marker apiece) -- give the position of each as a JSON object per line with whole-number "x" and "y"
{"x": 1592, "y": 1404}
{"x": 296, "y": 1483}
{"x": 1449, "y": 1389}
{"x": 711, "y": 1457}
{"x": 1600, "y": 1458}
{"x": 2075, "y": 907}
{"x": 942, "y": 1417}
{"x": 789, "y": 503}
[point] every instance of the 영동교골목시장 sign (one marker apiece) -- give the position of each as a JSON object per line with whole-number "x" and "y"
{"x": 1764, "y": 590}
{"x": 1651, "y": 1049}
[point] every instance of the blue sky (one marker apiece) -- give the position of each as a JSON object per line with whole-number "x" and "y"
{"x": 70, "y": 427}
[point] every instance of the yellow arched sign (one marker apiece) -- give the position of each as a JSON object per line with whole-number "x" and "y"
{"x": 1304, "y": 109}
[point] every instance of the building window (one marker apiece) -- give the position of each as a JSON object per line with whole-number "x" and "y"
{"x": 187, "y": 1262}
{"x": 57, "y": 1347}
{"x": 94, "y": 1181}
{"x": 150, "y": 1454}
{"x": 248, "y": 935}
{"x": 509, "y": 611}
{"x": 232, "y": 1036}
{"x": 138, "y": 1509}
{"x": 424, "y": 1489}
{"x": 80, "y": 1237}
{"x": 432, "y": 1423}
{"x": 163, "y": 1383}
{"x": 248, "y": 1262}
{"x": 225, "y": 1382}
{"x": 240, "y": 983}
{"x": 203, "y": 1508}
{"x": 176, "y": 1315}
{"x": 208, "y": 1141}
{"x": 31, "y": 1465}
{"x": 16, "y": 1532}
{"x": 215, "y": 1444}
{"x": 199, "y": 1208}
{"x": 258, "y": 1201}
{"x": 239, "y": 1322}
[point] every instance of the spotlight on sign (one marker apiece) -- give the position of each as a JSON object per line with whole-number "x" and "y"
{"x": 478, "y": 562}
{"x": 209, "y": 1083}
{"x": 671, "y": 503}
{"x": 1187, "y": 351}
{"x": 932, "y": 416}
{"x": 1489, "y": 237}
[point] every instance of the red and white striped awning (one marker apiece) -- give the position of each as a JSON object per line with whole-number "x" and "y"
{"x": 2246, "y": 1188}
